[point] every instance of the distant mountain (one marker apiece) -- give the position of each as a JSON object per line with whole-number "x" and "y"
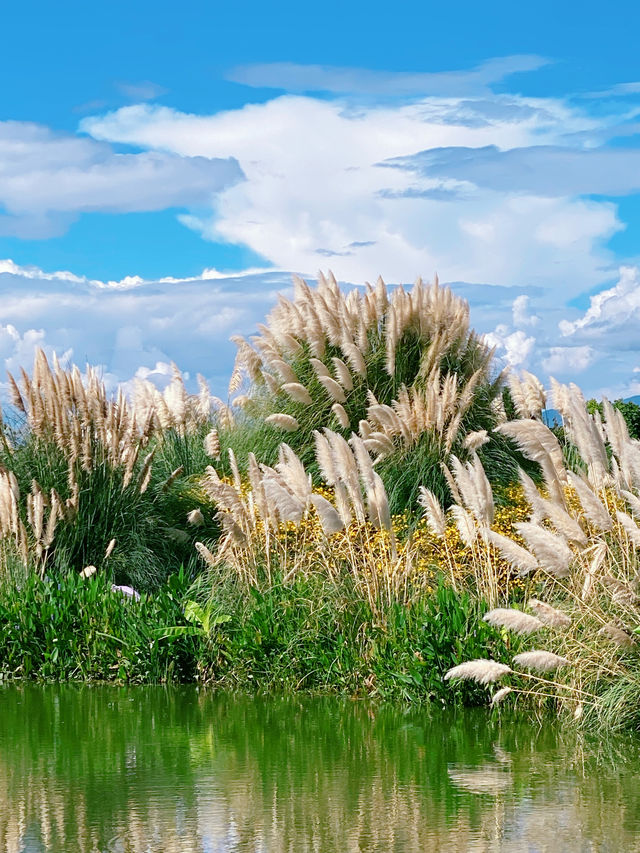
{"x": 635, "y": 399}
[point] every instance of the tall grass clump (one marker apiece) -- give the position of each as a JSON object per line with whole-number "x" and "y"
{"x": 402, "y": 369}
{"x": 579, "y": 554}
{"x": 86, "y": 480}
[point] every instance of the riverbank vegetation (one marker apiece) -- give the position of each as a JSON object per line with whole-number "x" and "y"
{"x": 376, "y": 509}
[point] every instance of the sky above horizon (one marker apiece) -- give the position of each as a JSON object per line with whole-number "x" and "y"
{"x": 165, "y": 168}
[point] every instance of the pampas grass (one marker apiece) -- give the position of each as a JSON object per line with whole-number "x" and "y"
{"x": 481, "y": 671}
{"x": 513, "y": 620}
{"x": 402, "y": 365}
{"x": 540, "y": 660}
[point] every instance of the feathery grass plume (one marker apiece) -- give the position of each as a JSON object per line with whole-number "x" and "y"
{"x": 514, "y": 554}
{"x": 594, "y": 510}
{"x": 280, "y": 420}
{"x": 330, "y": 518}
{"x": 549, "y": 615}
{"x": 599, "y": 553}
{"x": 500, "y": 695}
{"x": 433, "y": 512}
{"x": 474, "y": 489}
{"x": 341, "y": 416}
{"x": 212, "y": 444}
{"x": 540, "y": 445}
{"x": 476, "y": 440}
{"x": 582, "y": 430}
{"x": 551, "y": 551}
{"x": 513, "y": 620}
{"x": 110, "y": 549}
{"x": 540, "y": 660}
{"x": 528, "y": 394}
{"x": 88, "y": 571}
{"x": 195, "y": 518}
{"x": 297, "y": 392}
{"x": 482, "y": 671}
{"x": 617, "y": 635}
{"x": 633, "y": 502}
{"x": 630, "y": 528}
{"x": 466, "y": 525}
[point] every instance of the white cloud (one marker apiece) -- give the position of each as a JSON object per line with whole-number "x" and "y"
{"x": 513, "y": 348}
{"x": 327, "y": 78}
{"x": 133, "y": 325}
{"x": 520, "y": 312}
{"x": 612, "y": 312}
{"x": 569, "y": 360}
{"x": 325, "y": 179}
{"x": 47, "y": 179}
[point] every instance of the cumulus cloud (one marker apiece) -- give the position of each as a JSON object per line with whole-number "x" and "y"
{"x": 327, "y": 179}
{"x": 614, "y": 312}
{"x": 569, "y": 360}
{"x": 48, "y": 179}
{"x": 293, "y": 77}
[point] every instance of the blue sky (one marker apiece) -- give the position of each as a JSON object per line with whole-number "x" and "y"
{"x": 159, "y": 161}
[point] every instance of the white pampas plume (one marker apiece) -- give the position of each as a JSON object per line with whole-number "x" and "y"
{"x": 630, "y": 527}
{"x": 332, "y": 388}
{"x": 285, "y": 371}
{"x": 482, "y": 671}
{"x": 540, "y": 660}
{"x": 324, "y": 458}
{"x": 619, "y": 637}
{"x": 343, "y": 373}
{"x": 206, "y": 554}
{"x": 600, "y": 551}
{"x": 466, "y": 525}
{"x": 475, "y": 440}
{"x": 499, "y": 695}
{"x": 549, "y": 615}
{"x": 195, "y": 518}
{"x": 88, "y": 571}
{"x": 329, "y": 517}
{"x": 293, "y": 473}
{"x": 594, "y": 511}
{"x": 551, "y": 551}
{"x": 110, "y": 547}
{"x": 282, "y": 421}
{"x": 341, "y": 416}
{"x": 288, "y": 506}
{"x": 241, "y": 401}
{"x": 319, "y": 368}
{"x": 297, "y": 392}
{"x": 514, "y": 554}
{"x": 634, "y": 503}
{"x": 433, "y": 511}
{"x": 212, "y": 444}
{"x": 513, "y": 620}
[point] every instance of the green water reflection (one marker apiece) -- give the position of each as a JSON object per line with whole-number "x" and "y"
{"x": 154, "y": 769}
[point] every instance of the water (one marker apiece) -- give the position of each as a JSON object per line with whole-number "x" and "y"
{"x": 152, "y": 769}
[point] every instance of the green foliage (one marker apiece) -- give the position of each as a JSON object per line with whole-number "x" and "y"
{"x": 152, "y": 536}
{"x": 630, "y": 412}
{"x": 70, "y": 628}
{"x": 314, "y": 636}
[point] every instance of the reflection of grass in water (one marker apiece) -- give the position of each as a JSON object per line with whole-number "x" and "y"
{"x": 297, "y": 773}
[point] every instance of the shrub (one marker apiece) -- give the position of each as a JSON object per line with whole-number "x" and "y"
{"x": 402, "y": 369}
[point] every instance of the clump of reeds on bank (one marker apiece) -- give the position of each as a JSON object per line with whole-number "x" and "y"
{"x": 579, "y": 552}
{"x": 400, "y": 368}
{"x": 91, "y": 480}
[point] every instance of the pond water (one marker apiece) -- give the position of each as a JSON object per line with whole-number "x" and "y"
{"x": 157, "y": 769}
